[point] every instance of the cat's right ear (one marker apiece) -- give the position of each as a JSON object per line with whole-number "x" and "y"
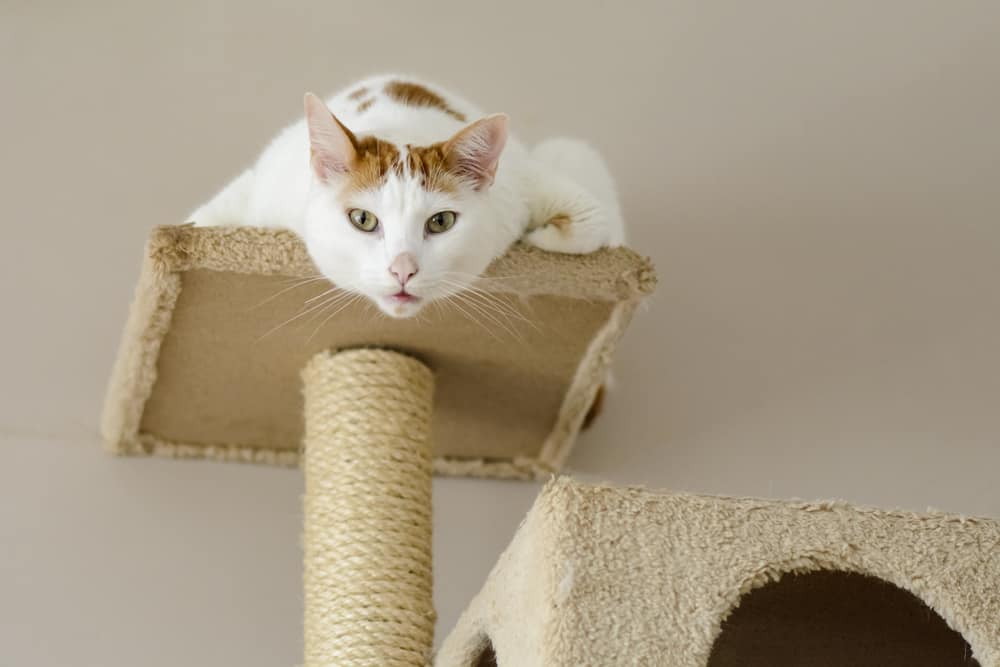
{"x": 332, "y": 147}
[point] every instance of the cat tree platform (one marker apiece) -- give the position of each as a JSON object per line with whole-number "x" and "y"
{"x": 606, "y": 576}
{"x": 222, "y": 325}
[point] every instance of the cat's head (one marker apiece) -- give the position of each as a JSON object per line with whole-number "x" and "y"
{"x": 403, "y": 225}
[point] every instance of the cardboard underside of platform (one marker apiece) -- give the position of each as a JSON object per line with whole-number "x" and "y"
{"x": 225, "y": 318}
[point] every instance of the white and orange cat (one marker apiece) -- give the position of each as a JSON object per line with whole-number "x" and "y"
{"x": 405, "y": 193}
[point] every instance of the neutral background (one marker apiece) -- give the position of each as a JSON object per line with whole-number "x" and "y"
{"x": 818, "y": 184}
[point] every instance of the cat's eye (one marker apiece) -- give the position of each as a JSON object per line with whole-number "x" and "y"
{"x": 441, "y": 222}
{"x": 362, "y": 219}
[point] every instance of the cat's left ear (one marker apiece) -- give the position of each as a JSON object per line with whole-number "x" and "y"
{"x": 333, "y": 149}
{"x": 474, "y": 152}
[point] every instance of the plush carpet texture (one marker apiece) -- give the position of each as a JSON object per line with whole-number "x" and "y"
{"x": 224, "y": 319}
{"x": 609, "y": 576}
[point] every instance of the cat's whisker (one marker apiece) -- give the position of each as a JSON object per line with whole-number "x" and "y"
{"x": 508, "y": 327}
{"x": 335, "y": 288}
{"x": 482, "y": 276}
{"x": 498, "y": 303}
{"x": 451, "y": 299}
{"x": 329, "y": 317}
{"x": 378, "y": 314}
{"x": 295, "y": 317}
{"x": 421, "y": 317}
{"x": 298, "y": 283}
{"x": 492, "y": 304}
{"x": 437, "y": 305}
{"x": 463, "y": 287}
{"x": 285, "y": 280}
{"x": 331, "y": 302}
{"x": 502, "y": 310}
{"x": 495, "y": 320}
{"x": 502, "y": 318}
{"x": 466, "y": 274}
{"x": 487, "y": 281}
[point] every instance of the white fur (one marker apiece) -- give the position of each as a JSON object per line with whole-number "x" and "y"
{"x": 560, "y": 177}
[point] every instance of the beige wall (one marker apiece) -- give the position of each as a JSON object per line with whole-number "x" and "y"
{"x": 817, "y": 182}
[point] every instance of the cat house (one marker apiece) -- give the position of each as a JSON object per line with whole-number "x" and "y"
{"x": 621, "y": 576}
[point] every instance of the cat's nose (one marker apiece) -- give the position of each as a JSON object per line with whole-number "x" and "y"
{"x": 404, "y": 267}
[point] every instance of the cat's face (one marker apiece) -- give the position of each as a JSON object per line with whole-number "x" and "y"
{"x": 401, "y": 225}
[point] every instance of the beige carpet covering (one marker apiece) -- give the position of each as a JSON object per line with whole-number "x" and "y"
{"x": 606, "y": 576}
{"x": 223, "y": 321}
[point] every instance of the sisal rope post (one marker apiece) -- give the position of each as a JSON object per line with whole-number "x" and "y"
{"x": 367, "y": 465}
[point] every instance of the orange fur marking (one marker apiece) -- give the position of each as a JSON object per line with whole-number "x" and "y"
{"x": 358, "y": 94}
{"x": 416, "y": 95}
{"x": 374, "y": 160}
{"x": 432, "y": 164}
{"x": 560, "y": 221}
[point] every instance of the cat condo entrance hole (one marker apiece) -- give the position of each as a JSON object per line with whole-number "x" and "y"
{"x": 487, "y": 656}
{"x": 835, "y": 618}
{"x": 217, "y": 349}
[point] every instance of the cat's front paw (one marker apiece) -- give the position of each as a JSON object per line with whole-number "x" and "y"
{"x": 563, "y": 234}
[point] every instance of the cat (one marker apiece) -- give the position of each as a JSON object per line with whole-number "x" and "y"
{"x": 405, "y": 193}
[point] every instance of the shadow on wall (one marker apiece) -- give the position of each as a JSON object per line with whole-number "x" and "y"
{"x": 832, "y": 619}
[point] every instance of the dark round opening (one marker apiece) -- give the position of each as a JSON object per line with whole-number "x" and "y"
{"x": 835, "y": 619}
{"x": 486, "y": 657}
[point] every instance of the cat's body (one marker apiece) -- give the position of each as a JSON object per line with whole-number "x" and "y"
{"x": 398, "y": 197}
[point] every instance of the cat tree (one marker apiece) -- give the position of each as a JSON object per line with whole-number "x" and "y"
{"x": 222, "y": 339}
{"x": 219, "y": 345}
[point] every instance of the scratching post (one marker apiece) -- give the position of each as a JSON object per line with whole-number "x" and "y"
{"x": 367, "y": 510}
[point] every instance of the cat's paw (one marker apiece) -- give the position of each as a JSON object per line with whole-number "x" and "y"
{"x": 563, "y": 234}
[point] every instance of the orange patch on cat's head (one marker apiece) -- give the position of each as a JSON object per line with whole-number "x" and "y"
{"x": 375, "y": 159}
{"x": 468, "y": 159}
{"x": 432, "y": 166}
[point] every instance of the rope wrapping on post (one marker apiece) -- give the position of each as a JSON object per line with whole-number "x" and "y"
{"x": 367, "y": 464}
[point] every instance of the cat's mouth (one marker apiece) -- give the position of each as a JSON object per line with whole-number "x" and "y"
{"x": 402, "y": 296}
{"x": 401, "y": 304}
